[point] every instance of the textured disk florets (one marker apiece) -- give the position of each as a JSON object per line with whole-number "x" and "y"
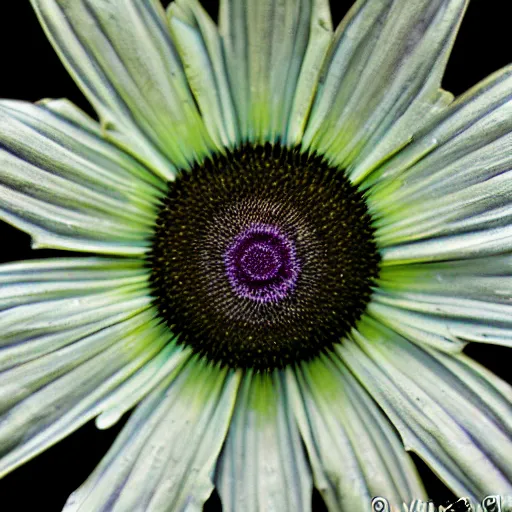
{"x": 262, "y": 257}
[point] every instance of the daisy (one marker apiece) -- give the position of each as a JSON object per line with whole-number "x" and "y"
{"x": 295, "y": 232}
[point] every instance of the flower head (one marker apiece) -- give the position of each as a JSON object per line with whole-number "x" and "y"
{"x": 296, "y": 232}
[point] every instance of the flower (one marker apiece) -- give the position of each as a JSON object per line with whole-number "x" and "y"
{"x": 297, "y": 231}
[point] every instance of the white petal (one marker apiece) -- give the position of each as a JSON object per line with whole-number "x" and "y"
{"x": 452, "y": 414}
{"x": 63, "y": 123}
{"x": 122, "y": 56}
{"x": 448, "y": 303}
{"x": 476, "y": 278}
{"x": 447, "y": 195}
{"x": 472, "y": 207}
{"x": 461, "y": 183}
{"x": 68, "y": 188}
{"x": 419, "y": 328}
{"x": 482, "y": 243}
{"x": 320, "y": 39}
{"x": 354, "y": 452}
{"x": 198, "y": 41}
{"x": 165, "y": 456}
{"x": 26, "y": 282}
{"x": 33, "y": 330}
{"x": 443, "y": 331}
{"x": 131, "y": 392}
{"x": 263, "y": 466}
{"x": 51, "y": 396}
{"x": 274, "y": 51}
{"x": 73, "y": 331}
{"x": 382, "y": 79}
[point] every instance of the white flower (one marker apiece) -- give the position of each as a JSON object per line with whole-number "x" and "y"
{"x": 296, "y": 233}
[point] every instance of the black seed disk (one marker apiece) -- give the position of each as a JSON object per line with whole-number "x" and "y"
{"x": 262, "y": 257}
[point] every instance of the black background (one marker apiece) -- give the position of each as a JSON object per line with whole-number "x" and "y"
{"x": 30, "y": 71}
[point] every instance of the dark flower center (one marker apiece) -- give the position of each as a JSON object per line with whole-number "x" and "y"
{"x": 262, "y": 257}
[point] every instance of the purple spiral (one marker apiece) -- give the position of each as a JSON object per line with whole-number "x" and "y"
{"x": 261, "y": 264}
